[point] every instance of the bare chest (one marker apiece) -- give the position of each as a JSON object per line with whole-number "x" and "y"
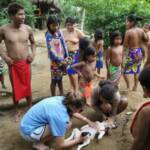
{"x": 16, "y": 36}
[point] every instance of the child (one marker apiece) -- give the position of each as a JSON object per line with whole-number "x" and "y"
{"x": 2, "y": 71}
{"x": 57, "y": 53}
{"x": 86, "y": 72}
{"x": 114, "y": 58}
{"x": 140, "y": 125}
{"x": 98, "y": 44}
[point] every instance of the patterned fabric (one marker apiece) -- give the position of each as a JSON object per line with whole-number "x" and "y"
{"x": 57, "y": 53}
{"x": 114, "y": 73}
{"x": 2, "y": 67}
{"x": 73, "y": 55}
{"x": 57, "y": 70}
{"x": 99, "y": 59}
{"x": 133, "y": 61}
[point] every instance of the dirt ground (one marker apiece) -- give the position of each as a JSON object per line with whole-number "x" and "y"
{"x": 120, "y": 138}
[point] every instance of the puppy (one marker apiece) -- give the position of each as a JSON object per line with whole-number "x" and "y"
{"x": 90, "y": 133}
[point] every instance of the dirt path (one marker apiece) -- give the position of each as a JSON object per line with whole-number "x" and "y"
{"x": 10, "y": 139}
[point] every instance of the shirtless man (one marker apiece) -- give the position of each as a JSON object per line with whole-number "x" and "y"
{"x": 133, "y": 42}
{"x": 140, "y": 127}
{"x": 16, "y": 36}
{"x": 114, "y": 58}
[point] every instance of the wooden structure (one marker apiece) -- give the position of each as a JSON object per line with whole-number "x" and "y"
{"x": 45, "y": 7}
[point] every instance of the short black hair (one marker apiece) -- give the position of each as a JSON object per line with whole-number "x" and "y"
{"x": 98, "y": 35}
{"x": 108, "y": 89}
{"x": 13, "y": 8}
{"x": 53, "y": 19}
{"x": 144, "y": 77}
{"x": 133, "y": 18}
{"x": 113, "y": 35}
{"x": 89, "y": 51}
{"x": 71, "y": 20}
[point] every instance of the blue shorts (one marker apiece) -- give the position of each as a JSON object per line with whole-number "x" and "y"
{"x": 35, "y": 135}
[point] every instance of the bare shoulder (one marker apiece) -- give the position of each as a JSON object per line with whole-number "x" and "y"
{"x": 4, "y": 28}
{"x": 28, "y": 28}
{"x": 145, "y": 113}
{"x": 79, "y": 33}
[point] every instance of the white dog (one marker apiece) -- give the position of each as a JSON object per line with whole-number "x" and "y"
{"x": 90, "y": 133}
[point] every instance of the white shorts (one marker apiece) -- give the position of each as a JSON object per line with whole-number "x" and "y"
{"x": 35, "y": 135}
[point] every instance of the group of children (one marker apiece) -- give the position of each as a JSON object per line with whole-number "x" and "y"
{"x": 72, "y": 53}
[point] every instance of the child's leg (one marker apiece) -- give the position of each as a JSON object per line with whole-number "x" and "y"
{"x": 60, "y": 86}
{"x": 2, "y": 81}
{"x": 98, "y": 70}
{"x": 135, "y": 82}
{"x": 53, "y": 87}
{"x": 126, "y": 78}
{"x": 74, "y": 82}
{"x": 29, "y": 101}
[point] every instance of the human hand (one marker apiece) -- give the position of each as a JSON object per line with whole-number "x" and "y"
{"x": 93, "y": 125}
{"x": 111, "y": 123}
{"x": 30, "y": 58}
{"x": 9, "y": 60}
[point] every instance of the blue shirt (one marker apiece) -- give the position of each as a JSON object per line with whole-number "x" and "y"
{"x": 50, "y": 111}
{"x": 56, "y": 46}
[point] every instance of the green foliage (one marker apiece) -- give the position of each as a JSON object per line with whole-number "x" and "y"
{"x": 111, "y": 14}
{"x": 29, "y": 9}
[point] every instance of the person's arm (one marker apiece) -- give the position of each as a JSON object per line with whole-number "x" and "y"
{"x": 107, "y": 61}
{"x": 61, "y": 143}
{"x": 78, "y": 66}
{"x": 33, "y": 46}
{"x": 148, "y": 56}
{"x": 126, "y": 40}
{"x": 3, "y": 53}
{"x": 85, "y": 119}
{"x": 123, "y": 55}
{"x": 143, "y": 130}
{"x": 80, "y": 34}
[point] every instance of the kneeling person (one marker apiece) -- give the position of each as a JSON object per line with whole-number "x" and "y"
{"x": 107, "y": 100}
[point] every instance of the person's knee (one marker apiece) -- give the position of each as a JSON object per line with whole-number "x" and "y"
{"x": 123, "y": 105}
{"x": 106, "y": 108}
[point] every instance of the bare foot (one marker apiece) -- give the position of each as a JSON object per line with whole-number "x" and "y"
{"x": 17, "y": 116}
{"x": 40, "y": 146}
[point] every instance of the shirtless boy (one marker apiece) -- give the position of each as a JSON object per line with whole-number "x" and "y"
{"x": 140, "y": 127}
{"x": 114, "y": 58}
{"x": 133, "y": 42}
{"x": 86, "y": 71}
{"x": 17, "y": 56}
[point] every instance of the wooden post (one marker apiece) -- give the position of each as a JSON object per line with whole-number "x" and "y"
{"x": 83, "y": 18}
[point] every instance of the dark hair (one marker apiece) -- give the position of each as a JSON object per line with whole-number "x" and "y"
{"x": 98, "y": 35}
{"x": 71, "y": 20}
{"x": 90, "y": 51}
{"x": 134, "y": 18}
{"x": 73, "y": 100}
{"x": 83, "y": 45}
{"x": 144, "y": 77}
{"x": 113, "y": 35}
{"x": 13, "y": 8}
{"x": 53, "y": 19}
{"x": 107, "y": 89}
